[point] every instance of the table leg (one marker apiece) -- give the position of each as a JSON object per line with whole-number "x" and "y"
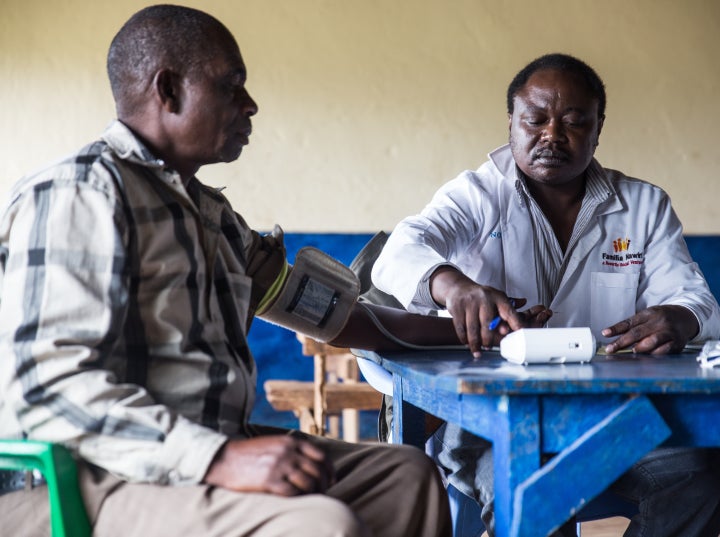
{"x": 573, "y": 477}
{"x": 516, "y": 453}
{"x": 408, "y": 420}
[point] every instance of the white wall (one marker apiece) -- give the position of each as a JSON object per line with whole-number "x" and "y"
{"x": 367, "y": 106}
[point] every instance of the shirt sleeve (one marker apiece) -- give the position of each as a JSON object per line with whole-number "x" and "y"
{"x": 64, "y": 302}
{"x": 671, "y": 277}
{"x": 266, "y": 264}
{"x": 421, "y": 243}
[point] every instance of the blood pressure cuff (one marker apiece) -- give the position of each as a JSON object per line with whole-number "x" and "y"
{"x": 315, "y": 296}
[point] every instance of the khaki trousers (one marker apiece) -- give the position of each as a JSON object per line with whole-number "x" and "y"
{"x": 381, "y": 491}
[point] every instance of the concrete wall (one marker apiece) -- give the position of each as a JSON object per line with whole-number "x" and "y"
{"x": 367, "y": 106}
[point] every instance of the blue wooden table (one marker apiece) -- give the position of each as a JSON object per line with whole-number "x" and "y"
{"x": 596, "y": 418}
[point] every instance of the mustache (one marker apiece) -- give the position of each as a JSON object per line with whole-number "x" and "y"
{"x": 548, "y": 153}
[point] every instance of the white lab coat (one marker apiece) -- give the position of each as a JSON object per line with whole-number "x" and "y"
{"x": 634, "y": 257}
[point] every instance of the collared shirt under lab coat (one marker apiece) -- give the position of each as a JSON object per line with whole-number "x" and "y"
{"x": 632, "y": 258}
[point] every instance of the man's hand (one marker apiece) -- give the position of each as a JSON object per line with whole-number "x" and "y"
{"x": 536, "y": 317}
{"x": 280, "y": 465}
{"x": 655, "y": 330}
{"x": 474, "y": 306}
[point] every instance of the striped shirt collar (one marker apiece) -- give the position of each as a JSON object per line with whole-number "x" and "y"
{"x": 597, "y": 185}
{"x": 550, "y": 260}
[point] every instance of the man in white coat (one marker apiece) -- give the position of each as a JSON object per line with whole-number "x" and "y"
{"x": 543, "y": 223}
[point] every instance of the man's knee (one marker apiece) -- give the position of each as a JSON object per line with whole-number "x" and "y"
{"x": 323, "y": 516}
{"x": 673, "y": 468}
{"x": 415, "y": 464}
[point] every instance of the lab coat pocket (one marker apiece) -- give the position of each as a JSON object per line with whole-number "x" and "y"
{"x": 612, "y": 299}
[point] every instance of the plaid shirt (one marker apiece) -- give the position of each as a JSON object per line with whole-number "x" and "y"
{"x": 126, "y": 299}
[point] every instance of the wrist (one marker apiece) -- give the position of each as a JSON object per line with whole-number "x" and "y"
{"x": 442, "y": 282}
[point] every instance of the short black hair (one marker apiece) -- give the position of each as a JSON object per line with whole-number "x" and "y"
{"x": 559, "y": 62}
{"x": 157, "y": 36}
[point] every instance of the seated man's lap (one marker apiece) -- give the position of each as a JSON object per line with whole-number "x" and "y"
{"x": 25, "y": 513}
{"x": 141, "y": 509}
{"x": 117, "y": 507}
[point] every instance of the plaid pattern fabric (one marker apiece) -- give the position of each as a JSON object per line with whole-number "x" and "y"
{"x": 126, "y": 298}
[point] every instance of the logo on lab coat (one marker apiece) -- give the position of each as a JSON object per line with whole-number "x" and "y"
{"x": 622, "y": 256}
{"x": 621, "y": 245}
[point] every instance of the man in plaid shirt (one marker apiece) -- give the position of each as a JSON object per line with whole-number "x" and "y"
{"x": 128, "y": 288}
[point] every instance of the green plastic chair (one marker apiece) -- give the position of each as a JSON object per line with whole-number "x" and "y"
{"x": 67, "y": 510}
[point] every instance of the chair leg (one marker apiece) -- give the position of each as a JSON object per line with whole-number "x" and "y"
{"x": 67, "y": 510}
{"x": 307, "y": 421}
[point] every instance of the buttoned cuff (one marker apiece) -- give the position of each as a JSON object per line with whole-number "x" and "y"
{"x": 189, "y": 449}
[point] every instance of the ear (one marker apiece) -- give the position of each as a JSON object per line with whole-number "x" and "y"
{"x": 601, "y": 122}
{"x": 167, "y": 89}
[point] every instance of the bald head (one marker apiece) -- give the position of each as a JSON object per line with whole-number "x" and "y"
{"x": 158, "y": 37}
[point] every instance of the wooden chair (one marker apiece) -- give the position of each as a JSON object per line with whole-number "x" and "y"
{"x": 334, "y": 397}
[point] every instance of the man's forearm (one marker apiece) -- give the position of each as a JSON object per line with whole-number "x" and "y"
{"x": 362, "y": 331}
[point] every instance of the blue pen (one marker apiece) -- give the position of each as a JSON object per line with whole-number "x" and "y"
{"x": 496, "y": 321}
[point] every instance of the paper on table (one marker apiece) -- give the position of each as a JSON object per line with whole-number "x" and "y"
{"x": 710, "y": 354}
{"x": 602, "y": 352}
